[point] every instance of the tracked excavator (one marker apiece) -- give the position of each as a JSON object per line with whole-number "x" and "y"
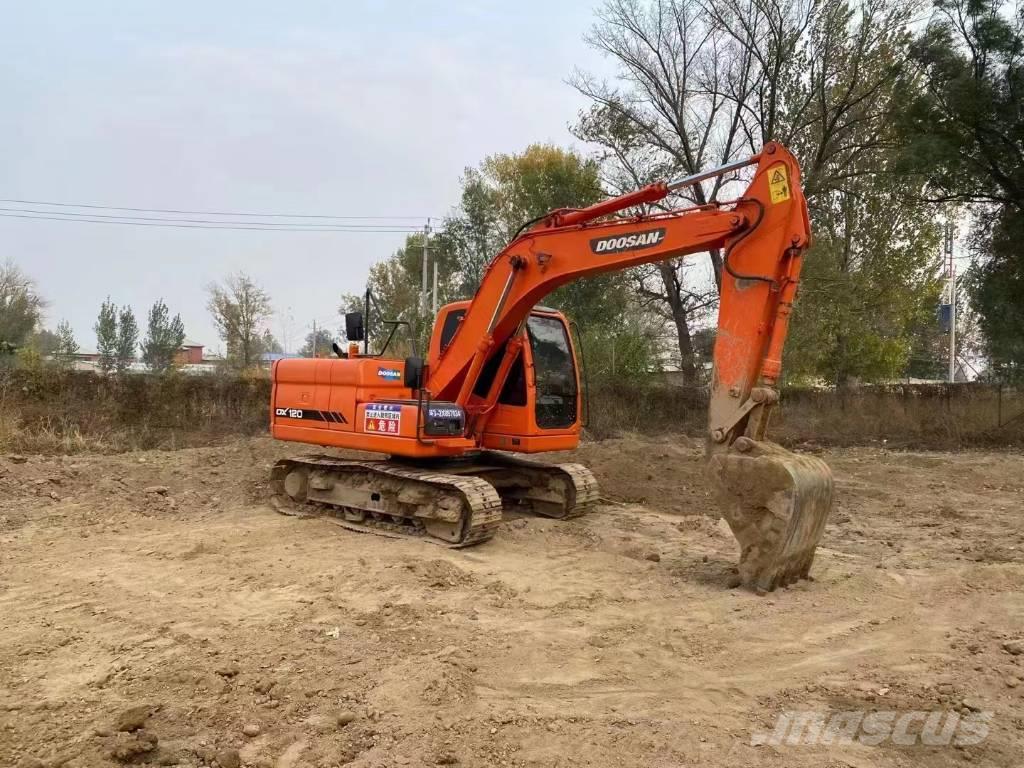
{"x": 500, "y": 381}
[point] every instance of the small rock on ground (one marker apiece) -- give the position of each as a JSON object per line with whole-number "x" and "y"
{"x": 128, "y": 747}
{"x": 133, "y": 718}
{"x": 346, "y": 717}
{"x": 973, "y": 704}
{"x": 1014, "y": 647}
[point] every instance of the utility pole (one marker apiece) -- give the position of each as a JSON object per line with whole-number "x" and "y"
{"x": 426, "y": 257}
{"x": 951, "y": 274}
{"x": 433, "y": 293}
{"x": 314, "y": 341}
{"x": 286, "y": 329}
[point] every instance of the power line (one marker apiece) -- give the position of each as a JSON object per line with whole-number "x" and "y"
{"x": 210, "y": 213}
{"x": 396, "y": 227}
{"x": 322, "y": 321}
{"x": 177, "y": 224}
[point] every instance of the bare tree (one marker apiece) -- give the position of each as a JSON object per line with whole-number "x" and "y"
{"x": 825, "y": 77}
{"x": 20, "y": 306}
{"x": 240, "y": 309}
{"x": 704, "y": 82}
{"x": 829, "y": 78}
{"x": 671, "y": 115}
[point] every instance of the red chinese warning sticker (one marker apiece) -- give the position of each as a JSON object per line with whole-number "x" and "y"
{"x": 383, "y": 418}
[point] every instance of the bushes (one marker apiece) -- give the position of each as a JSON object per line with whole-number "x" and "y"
{"x": 51, "y": 410}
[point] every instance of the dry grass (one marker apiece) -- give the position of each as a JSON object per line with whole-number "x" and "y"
{"x": 67, "y": 412}
{"x": 53, "y": 411}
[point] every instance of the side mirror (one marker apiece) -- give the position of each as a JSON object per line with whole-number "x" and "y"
{"x": 354, "y": 326}
{"x": 413, "y": 372}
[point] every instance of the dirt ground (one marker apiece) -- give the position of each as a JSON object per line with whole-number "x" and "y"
{"x": 189, "y": 624}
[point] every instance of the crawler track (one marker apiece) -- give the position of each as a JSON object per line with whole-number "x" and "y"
{"x": 457, "y": 503}
{"x": 389, "y": 499}
{"x": 572, "y": 489}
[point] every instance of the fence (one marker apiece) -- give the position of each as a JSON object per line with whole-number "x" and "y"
{"x": 62, "y": 411}
{"x": 911, "y": 415}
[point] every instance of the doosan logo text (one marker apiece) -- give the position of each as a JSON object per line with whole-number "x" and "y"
{"x": 631, "y": 242}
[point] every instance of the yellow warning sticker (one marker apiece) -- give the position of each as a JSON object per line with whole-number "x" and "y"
{"x": 778, "y": 183}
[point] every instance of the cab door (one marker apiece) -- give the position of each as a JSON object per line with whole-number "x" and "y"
{"x": 556, "y": 390}
{"x": 538, "y": 407}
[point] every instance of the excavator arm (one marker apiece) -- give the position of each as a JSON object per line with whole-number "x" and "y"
{"x": 763, "y": 235}
{"x": 776, "y": 502}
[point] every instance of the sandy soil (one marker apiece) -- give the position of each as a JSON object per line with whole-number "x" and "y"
{"x": 191, "y": 625}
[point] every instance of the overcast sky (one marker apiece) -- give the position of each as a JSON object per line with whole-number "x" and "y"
{"x": 354, "y": 108}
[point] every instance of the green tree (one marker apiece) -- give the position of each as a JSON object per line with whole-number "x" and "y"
{"x": 240, "y": 309}
{"x": 268, "y": 343}
{"x": 106, "y": 336}
{"x": 869, "y": 285}
{"x": 395, "y": 284}
{"x": 318, "y": 344}
{"x": 625, "y": 352}
{"x": 964, "y": 144}
{"x": 473, "y": 231}
{"x": 995, "y": 284}
{"x": 66, "y": 347}
{"x": 44, "y": 341}
{"x": 127, "y": 339}
{"x": 20, "y": 306}
{"x": 505, "y": 192}
{"x": 164, "y": 338}
{"x": 509, "y": 190}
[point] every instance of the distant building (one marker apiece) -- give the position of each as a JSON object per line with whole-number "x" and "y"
{"x": 191, "y": 353}
{"x": 190, "y": 357}
{"x": 85, "y": 360}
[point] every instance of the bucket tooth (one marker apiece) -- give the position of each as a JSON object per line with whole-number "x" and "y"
{"x": 777, "y": 503}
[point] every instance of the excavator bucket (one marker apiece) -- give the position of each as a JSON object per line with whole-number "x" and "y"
{"x": 776, "y": 502}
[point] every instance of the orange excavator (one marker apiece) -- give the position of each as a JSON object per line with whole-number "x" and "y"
{"x": 501, "y": 380}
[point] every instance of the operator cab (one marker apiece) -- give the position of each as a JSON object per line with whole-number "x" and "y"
{"x": 540, "y": 400}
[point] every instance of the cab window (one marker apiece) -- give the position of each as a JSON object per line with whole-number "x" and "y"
{"x": 451, "y": 325}
{"x": 555, "y": 372}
